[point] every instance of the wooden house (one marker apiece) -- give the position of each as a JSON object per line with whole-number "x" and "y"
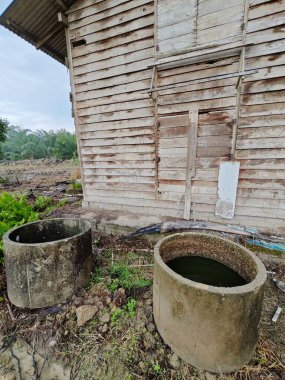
{"x": 178, "y": 105}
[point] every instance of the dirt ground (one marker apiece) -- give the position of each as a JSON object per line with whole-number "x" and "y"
{"x": 120, "y": 340}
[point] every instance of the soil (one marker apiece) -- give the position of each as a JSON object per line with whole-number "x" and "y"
{"x": 119, "y": 341}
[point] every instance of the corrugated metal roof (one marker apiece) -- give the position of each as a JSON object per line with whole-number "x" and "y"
{"x": 36, "y": 21}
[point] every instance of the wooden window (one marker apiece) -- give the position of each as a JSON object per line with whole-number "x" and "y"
{"x": 190, "y": 149}
{"x": 183, "y": 25}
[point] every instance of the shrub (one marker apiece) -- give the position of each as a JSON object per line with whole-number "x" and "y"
{"x": 14, "y": 211}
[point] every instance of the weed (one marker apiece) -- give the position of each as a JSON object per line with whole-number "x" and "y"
{"x": 14, "y": 211}
{"x": 117, "y": 312}
{"x": 61, "y": 202}
{"x": 75, "y": 187}
{"x": 131, "y": 307}
{"x": 156, "y": 368}
{"x": 97, "y": 241}
{"x": 4, "y": 180}
{"x": 42, "y": 204}
{"x": 125, "y": 277}
{"x": 127, "y": 311}
{"x": 96, "y": 277}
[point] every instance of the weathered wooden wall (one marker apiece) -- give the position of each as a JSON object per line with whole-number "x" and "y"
{"x": 134, "y": 149}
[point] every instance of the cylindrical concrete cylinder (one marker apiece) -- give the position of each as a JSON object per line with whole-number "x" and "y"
{"x": 212, "y": 328}
{"x": 47, "y": 261}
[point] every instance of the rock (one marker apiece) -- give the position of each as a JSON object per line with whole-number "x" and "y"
{"x": 119, "y": 297}
{"x": 52, "y": 343}
{"x": 105, "y": 318}
{"x": 105, "y": 328}
{"x": 84, "y": 313}
{"x": 174, "y": 361}
{"x": 149, "y": 340}
{"x": 283, "y": 358}
{"x": 97, "y": 289}
{"x": 148, "y": 301}
{"x": 151, "y": 327}
{"x": 210, "y": 376}
{"x": 142, "y": 365}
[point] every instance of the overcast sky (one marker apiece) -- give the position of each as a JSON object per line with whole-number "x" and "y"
{"x": 34, "y": 88}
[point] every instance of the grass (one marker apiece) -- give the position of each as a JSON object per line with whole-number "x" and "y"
{"x": 15, "y": 210}
{"x": 125, "y": 277}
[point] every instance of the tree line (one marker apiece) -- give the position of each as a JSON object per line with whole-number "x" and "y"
{"x": 17, "y": 143}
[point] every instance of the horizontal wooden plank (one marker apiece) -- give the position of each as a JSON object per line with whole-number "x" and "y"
{"x": 102, "y": 49}
{"x": 115, "y": 133}
{"x": 262, "y": 132}
{"x": 221, "y": 16}
{"x": 119, "y": 115}
{"x": 266, "y": 35}
{"x": 115, "y": 107}
{"x": 118, "y": 149}
{"x": 117, "y": 125}
{"x": 272, "y": 174}
{"x": 263, "y": 109}
{"x": 198, "y": 95}
{"x": 113, "y": 22}
{"x": 113, "y": 62}
{"x": 263, "y": 98}
{"x": 105, "y": 35}
{"x": 136, "y": 140}
{"x": 94, "y": 14}
{"x": 211, "y": 6}
{"x": 266, "y": 22}
{"x": 191, "y": 75}
{"x": 85, "y": 91}
{"x": 262, "y": 164}
{"x": 113, "y": 71}
{"x": 271, "y": 47}
{"x": 179, "y": 28}
{"x": 261, "y": 143}
{"x": 265, "y": 9}
{"x": 265, "y": 61}
{"x": 267, "y": 85}
{"x": 105, "y": 158}
{"x": 203, "y": 104}
{"x": 119, "y": 164}
{"x": 121, "y": 172}
{"x": 260, "y": 153}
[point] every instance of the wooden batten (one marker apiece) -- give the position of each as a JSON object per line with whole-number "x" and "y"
{"x": 164, "y": 93}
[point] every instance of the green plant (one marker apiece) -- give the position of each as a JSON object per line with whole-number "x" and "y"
{"x": 117, "y": 312}
{"x": 4, "y": 180}
{"x": 75, "y": 187}
{"x": 19, "y": 143}
{"x": 14, "y": 211}
{"x": 131, "y": 307}
{"x": 96, "y": 277}
{"x": 156, "y": 368}
{"x": 128, "y": 311}
{"x": 125, "y": 277}
{"x": 42, "y": 204}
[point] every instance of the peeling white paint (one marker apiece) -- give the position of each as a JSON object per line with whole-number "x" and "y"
{"x": 227, "y": 189}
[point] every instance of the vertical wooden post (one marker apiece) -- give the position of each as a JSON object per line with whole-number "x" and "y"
{"x": 240, "y": 79}
{"x": 74, "y": 105}
{"x": 191, "y": 160}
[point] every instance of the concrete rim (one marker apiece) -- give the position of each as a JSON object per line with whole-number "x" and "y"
{"x": 85, "y": 224}
{"x": 258, "y": 281}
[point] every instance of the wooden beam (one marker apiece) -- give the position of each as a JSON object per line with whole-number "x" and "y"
{"x": 191, "y": 160}
{"x": 62, "y": 4}
{"x": 62, "y": 19}
{"x": 48, "y": 35}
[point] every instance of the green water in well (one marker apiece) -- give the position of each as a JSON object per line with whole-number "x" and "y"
{"x": 206, "y": 271}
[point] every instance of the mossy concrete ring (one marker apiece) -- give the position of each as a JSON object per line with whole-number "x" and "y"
{"x": 212, "y": 328}
{"x": 47, "y": 261}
